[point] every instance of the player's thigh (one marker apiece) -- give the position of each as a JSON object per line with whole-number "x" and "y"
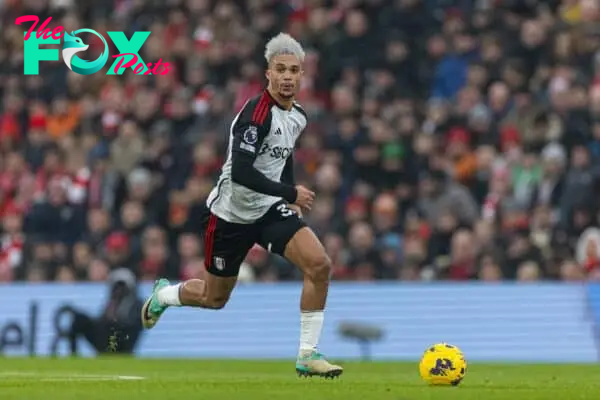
{"x": 225, "y": 248}
{"x": 283, "y": 232}
{"x": 277, "y": 227}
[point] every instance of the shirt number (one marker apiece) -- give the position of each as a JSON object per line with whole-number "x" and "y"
{"x": 285, "y": 211}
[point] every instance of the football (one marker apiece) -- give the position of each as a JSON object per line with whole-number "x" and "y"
{"x": 443, "y": 365}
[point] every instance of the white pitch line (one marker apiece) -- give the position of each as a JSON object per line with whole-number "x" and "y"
{"x": 67, "y": 377}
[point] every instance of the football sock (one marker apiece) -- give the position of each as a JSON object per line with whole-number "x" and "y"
{"x": 311, "y": 324}
{"x": 169, "y": 296}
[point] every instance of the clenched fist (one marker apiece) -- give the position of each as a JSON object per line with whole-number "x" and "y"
{"x": 305, "y": 197}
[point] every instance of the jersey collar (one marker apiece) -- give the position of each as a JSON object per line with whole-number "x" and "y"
{"x": 275, "y": 101}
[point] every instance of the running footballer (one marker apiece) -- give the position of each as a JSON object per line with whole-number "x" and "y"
{"x": 256, "y": 200}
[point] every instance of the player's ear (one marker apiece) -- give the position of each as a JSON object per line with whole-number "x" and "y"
{"x": 268, "y": 73}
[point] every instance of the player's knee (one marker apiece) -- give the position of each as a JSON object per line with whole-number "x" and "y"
{"x": 319, "y": 268}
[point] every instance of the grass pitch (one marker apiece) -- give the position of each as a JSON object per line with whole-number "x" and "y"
{"x": 133, "y": 379}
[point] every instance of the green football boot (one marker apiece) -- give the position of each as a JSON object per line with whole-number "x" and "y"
{"x": 152, "y": 310}
{"x": 313, "y": 363}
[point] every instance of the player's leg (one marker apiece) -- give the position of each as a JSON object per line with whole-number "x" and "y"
{"x": 226, "y": 246}
{"x": 213, "y": 292}
{"x": 306, "y": 251}
{"x": 286, "y": 234}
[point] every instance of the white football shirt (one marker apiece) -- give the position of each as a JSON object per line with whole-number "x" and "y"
{"x": 268, "y": 132}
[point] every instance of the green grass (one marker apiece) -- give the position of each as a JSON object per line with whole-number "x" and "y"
{"x": 65, "y": 379}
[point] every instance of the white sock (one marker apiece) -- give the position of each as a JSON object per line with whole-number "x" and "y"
{"x": 311, "y": 324}
{"x": 169, "y": 296}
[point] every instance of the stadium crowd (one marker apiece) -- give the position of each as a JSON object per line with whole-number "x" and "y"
{"x": 448, "y": 139}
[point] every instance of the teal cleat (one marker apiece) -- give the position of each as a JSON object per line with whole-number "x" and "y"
{"x": 152, "y": 310}
{"x": 313, "y": 363}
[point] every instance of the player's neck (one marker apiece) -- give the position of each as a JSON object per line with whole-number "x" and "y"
{"x": 283, "y": 103}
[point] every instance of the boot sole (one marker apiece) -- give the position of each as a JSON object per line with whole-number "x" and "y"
{"x": 327, "y": 375}
{"x": 146, "y": 322}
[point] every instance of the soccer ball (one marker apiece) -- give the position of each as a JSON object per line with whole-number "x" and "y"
{"x": 443, "y": 364}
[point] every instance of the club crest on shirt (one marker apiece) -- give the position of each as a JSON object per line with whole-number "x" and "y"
{"x": 250, "y": 135}
{"x": 219, "y": 263}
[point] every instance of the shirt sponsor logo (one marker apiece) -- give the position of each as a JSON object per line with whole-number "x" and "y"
{"x": 278, "y": 152}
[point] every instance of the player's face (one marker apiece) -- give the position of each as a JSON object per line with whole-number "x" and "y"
{"x": 284, "y": 75}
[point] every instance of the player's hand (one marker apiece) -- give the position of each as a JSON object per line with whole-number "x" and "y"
{"x": 296, "y": 209}
{"x": 305, "y": 197}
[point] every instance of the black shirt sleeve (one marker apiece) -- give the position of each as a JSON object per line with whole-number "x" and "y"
{"x": 249, "y": 132}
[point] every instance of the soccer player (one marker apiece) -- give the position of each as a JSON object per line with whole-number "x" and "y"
{"x": 256, "y": 200}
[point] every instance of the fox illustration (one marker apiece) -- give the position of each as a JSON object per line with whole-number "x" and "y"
{"x": 72, "y": 45}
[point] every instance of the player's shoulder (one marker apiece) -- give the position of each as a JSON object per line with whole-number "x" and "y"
{"x": 299, "y": 108}
{"x": 257, "y": 110}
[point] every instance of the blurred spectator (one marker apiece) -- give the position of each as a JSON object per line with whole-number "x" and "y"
{"x": 446, "y": 139}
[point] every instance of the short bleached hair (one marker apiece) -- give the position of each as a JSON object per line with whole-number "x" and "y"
{"x": 283, "y": 44}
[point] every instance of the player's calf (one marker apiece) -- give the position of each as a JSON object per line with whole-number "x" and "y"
{"x": 317, "y": 272}
{"x": 310, "y": 362}
{"x": 196, "y": 293}
{"x": 212, "y": 293}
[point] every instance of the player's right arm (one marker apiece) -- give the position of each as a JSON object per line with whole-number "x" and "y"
{"x": 249, "y": 132}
